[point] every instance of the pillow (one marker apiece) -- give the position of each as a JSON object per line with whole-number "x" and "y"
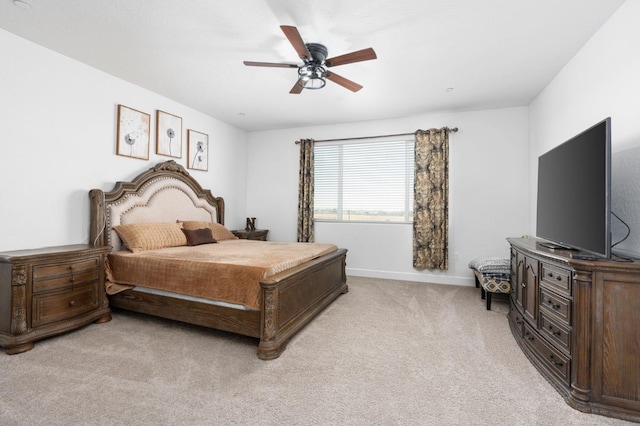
{"x": 219, "y": 232}
{"x": 149, "y": 236}
{"x": 498, "y": 265}
{"x": 195, "y": 237}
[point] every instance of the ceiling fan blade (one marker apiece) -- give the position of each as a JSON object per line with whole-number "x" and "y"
{"x": 269, "y": 64}
{"x": 353, "y": 86}
{"x": 296, "y": 41}
{"x": 348, "y": 58}
{"x": 297, "y": 88}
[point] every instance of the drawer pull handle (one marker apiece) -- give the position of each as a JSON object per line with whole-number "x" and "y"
{"x": 555, "y": 333}
{"x": 72, "y": 303}
{"x": 529, "y": 336}
{"x": 554, "y": 362}
{"x": 550, "y": 302}
{"x": 559, "y": 278}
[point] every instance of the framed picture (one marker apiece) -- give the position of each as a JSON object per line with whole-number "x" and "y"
{"x": 197, "y": 150}
{"x": 168, "y": 134}
{"x": 133, "y": 133}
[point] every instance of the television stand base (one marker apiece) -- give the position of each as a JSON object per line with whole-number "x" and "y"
{"x": 577, "y": 323}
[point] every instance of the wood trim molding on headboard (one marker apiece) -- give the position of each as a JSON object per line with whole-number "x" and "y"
{"x": 100, "y": 200}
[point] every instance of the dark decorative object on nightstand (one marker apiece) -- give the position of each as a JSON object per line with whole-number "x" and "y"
{"x": 251, "y": 224}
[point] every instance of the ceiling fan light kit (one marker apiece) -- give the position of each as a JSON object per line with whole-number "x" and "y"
{"x": 313, "y": 73}
{"x": 311, "y": 76}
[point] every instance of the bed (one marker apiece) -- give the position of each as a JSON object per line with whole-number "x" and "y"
{"x": 284, "y": 295}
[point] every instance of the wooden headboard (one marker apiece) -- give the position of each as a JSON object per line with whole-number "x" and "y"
{"x": 164, "y": 193}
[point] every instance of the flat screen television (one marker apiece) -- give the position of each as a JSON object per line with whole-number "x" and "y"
{"x": 574, "y": 193}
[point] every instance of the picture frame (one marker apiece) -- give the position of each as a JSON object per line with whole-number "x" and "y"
{"x": 168, "y": 134}
{"x": 197, "y": 150}
{"x": 133, "y": 128}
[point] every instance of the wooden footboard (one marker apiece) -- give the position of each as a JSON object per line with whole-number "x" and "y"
{"x": 292, "y": 298}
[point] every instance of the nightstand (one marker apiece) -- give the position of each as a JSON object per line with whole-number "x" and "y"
{"x": 48, "y": 291}
{"x": 257, "y": 234}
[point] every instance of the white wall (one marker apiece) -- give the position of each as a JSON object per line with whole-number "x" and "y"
{"x": 600, "y": 81}
{"x": 488, "y": 192}
{"x": 58, "y": 142}
{"x": 58, "y": 132}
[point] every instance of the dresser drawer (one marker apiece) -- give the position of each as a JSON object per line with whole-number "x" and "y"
{"x": 57, "y": 306}
{"x": 556, "y": 305}
{"x": 555, "y": 332}
{"x": 551, "y": 358}
{"x": 516, "y": 319}
{"x": 61, "y": 275}
{"x": 556, "y": 278}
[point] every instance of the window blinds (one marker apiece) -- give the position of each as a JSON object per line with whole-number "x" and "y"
{"x": 368, "y": 181}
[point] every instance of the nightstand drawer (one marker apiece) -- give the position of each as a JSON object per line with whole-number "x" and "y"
{"x": 63, "y": 275}
{"x": 52, "y": 307}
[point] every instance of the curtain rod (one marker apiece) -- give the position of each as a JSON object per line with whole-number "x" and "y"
{"x": 454, "y": 130}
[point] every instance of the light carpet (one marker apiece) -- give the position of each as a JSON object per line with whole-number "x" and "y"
{"x": 386, "y": 353}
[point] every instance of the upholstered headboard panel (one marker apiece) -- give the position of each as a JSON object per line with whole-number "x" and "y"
{"x": 164, "y": 193}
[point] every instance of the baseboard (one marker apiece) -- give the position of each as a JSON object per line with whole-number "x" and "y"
{"x": 408, "y": 276}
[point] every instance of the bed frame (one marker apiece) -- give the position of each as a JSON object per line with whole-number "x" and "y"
{"x": 290, "y": 299}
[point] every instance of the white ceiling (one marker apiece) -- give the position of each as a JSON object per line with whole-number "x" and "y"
{"x": 493, "y": 53}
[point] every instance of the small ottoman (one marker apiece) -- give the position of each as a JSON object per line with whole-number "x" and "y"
{"x": 493, "y": 275}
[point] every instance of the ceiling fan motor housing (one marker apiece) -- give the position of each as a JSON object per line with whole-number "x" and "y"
{"x": 318, "y": 52}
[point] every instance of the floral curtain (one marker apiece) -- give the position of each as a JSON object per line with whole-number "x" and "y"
{"x": 431, "y": 200}
{"x": 305, "y": 192}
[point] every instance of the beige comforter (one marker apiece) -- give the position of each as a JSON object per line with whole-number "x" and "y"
{"x": 227, "y": 271}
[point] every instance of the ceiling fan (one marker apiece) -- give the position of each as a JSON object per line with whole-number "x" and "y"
{"x": 313, "y": 73}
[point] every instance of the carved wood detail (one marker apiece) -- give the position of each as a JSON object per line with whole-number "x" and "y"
{"x": 580, "y": 377}
{"x": 18, "y": 298}
{"x": 270, "y": 319}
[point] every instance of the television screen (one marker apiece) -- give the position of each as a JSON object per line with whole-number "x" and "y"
{"x": 574, "y": 192}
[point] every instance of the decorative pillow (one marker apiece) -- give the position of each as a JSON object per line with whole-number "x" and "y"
{"x": 496, "y": 265}
{"x": 149, "y": 236}
{"x": 219, "y": 232}
{"x": 195, "y": 237}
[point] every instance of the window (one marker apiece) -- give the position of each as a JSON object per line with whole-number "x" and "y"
{"x": 368, "y": 181}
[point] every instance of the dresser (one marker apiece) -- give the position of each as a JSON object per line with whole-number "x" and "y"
{"x": 578, "y": 322}
{"x": 48, "y": 291}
